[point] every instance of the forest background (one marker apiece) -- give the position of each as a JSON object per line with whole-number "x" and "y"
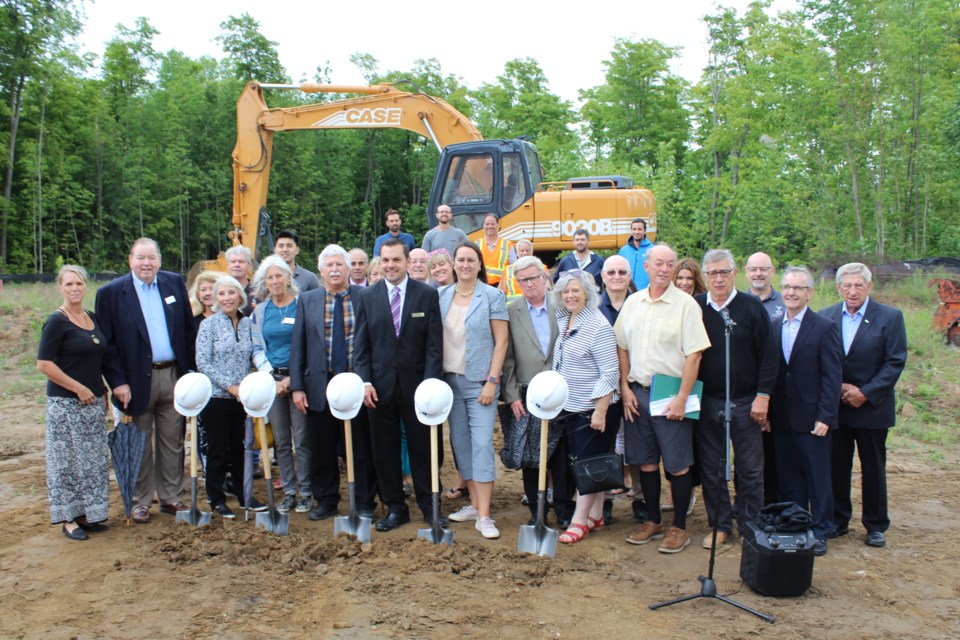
{"x": 817, "y": 135}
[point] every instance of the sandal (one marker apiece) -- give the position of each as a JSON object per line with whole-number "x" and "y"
{"x": 595, "y": 523}
{"x": 574, "y": 533}
{"x": 457, "y": 493}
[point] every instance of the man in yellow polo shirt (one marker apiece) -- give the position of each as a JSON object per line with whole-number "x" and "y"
{"x": 497, "y": 252}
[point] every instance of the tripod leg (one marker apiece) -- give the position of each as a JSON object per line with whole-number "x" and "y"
{"x": 692, "y": 596}
{"x": 744, "y": 607}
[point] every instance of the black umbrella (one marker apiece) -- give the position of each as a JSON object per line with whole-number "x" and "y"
{"x": 126, "y": 448}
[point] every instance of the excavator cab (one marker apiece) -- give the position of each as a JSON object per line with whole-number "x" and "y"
{"x": 482, "y": 177}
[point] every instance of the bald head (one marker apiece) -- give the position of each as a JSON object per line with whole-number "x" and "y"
{"x": 616, "y": 274}
{"x": 760, "y": 274}
{"x": 417, "y": 265}
{"x": 659, "y": 265}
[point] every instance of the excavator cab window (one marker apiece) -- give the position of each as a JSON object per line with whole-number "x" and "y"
{"x": 469, "y": 180}
{"x": 514, "y": 186}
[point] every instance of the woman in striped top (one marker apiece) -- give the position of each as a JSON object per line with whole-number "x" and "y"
{"x": 586, "y": 357}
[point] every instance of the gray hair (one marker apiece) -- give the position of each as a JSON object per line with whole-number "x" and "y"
{"x": 801, "y": 270}
{"x": 523, "y": 241}
{"x": 716, "y": 255}
{"x": 238, "y": 250}
{"x": 259, "y": 286}
{"x": 854, "y": 269}
{"x": 366, "y": 258}
{"x": 146, "y": 241}
{"x": 526, "y": 262}
{"x": 587, "y": 282}
{"x": 72, "y": 268}
{"x": 333, "y": 250}
{"x": 229, "y": 281}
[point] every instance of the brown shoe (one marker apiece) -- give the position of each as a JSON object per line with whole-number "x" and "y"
{"x": 645, "y": 533}
{"x": 722, "y": 538}
{"x": 675, "y": 542}
{"x": 173, "y": 508}
{"x": 141, "y": 514}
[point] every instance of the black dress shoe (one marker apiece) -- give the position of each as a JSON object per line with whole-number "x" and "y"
{"x": 443, "y": 520}
{"x": 323, "y": 511}
{"x": 839, "y": 530}
{"x": 608, "y": 512}
{"x": 393, "y": 520}
{"x": 876, "y": 539}
{"x": 93, "y": 527}
{"x": 76, "y": 534}
{"x": 820, "y": 548}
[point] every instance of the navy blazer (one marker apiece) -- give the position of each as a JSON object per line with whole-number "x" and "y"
{"x": 129, "y": 358}
{"x": 808, "y": 388}
{"x": 308, "y": 347}
{"x": 876, "y": 359}
{"x": 396, "y": 366}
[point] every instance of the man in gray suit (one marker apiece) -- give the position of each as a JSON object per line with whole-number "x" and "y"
{"x": 533, "y": 333}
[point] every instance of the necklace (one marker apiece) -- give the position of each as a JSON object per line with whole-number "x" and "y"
{"x": 465, "y": 294}
{"x": 73, "y": 319}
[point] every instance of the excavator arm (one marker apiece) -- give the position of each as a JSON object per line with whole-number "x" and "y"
{"x": 381, "y": 106}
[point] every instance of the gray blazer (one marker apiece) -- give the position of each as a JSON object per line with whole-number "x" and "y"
{"x": 487, "y": 304}
{"x": 524, "y": 357}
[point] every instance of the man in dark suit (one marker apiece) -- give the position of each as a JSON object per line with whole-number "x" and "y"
{"x": 804, "y": 404}
{"x": 399, "y": 343}
{"x": 874, "y": 354}
{"x": 147, "y": 321}
{"x": 323, "y": 331}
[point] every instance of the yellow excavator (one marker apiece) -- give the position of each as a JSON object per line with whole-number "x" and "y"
{"x": 474, "y": 176}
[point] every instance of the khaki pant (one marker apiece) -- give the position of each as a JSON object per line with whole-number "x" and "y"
{"x": 161, "y": 470}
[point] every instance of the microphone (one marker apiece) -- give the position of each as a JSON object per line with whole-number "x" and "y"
{"x": 727, "y": 320}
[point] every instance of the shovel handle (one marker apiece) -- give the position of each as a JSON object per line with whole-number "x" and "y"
{"x": 194, "y": 446}
{"x": 542, "y": 482}
{"x": 434, "y": 463}
{"x": 264, "y": 460}
{"x": 348, "y": 445}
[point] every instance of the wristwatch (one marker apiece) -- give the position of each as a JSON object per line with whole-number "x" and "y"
{"x": 493, "y": 379}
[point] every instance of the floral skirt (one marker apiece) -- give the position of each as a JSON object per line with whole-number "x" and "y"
{"x": 78, "y": 468}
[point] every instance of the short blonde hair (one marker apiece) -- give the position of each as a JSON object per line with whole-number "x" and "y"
{"x": 229, "y": 281}
{"x": 72, "y": 268}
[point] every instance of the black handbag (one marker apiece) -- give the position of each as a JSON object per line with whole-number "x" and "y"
{"x": 602, "y": 472}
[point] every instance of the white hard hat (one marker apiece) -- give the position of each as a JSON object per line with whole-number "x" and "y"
{"x": 546, "y": 395}
{"x": 257, "y": 392}
{"x": 191, "y": 394}
{"x": 345, "y": 395}
{"x": 433, "y": 400}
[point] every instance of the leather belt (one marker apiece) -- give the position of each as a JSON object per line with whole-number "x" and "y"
{"x": 164, "y": 365}
{"x": 281, "y": 371}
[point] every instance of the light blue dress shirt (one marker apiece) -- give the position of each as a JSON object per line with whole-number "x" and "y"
{"x": 151, "y": 304}
{"x": 851, "y": 323}
{"x": 790, "y": 330}
{"x": 541, "y": 324}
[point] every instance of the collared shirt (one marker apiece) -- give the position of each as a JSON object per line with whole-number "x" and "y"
{"x": 349, "y": 323}
{"x": 610, "y": 312}
{"x": 851, "y": 323}
{"x": 362, "y": 283}
{"x": 586, "y": 357}
{"x": 712, "y": 303}
{"x": 660, "y": 334}
{"x": 790, "y": 329}
{"x": 772, "y": 303}
{"x": 403, "y": 294}
{"x": 541, "y": 324}
{"x": 306, "y": 280}
{"x": 151, "y": 305}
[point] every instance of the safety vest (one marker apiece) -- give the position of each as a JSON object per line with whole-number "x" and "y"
{"x": 495, "y": 261}
{"x": 512, "y": 286}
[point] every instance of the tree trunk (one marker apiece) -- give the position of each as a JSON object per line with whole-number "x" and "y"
{"x": 43, "y": 108}
{"x": 16, "y": 102}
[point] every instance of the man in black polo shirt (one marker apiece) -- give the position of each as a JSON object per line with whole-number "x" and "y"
{"x": 753, "y": 373}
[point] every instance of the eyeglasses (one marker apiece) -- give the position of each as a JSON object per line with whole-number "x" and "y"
{"x": 529, "y": 280}
{"x": 759, "y": 269}
{"x": 618, "y": 272}
{"x": 788, "y": 288}
{"x": 723, "y": 273}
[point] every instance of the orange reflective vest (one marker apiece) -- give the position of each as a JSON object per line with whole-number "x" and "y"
{"x": 511, "y": 286}
{"x": 495, "y": 260}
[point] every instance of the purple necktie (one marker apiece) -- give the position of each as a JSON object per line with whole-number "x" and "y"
{"x": 395, "y": 310}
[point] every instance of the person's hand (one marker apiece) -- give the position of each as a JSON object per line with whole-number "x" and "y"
{"x": 598, "y": 420}
{"x": 487, "y": 393}
{"x": 300, "y": 401}
{"x": 758, "y": 410}
{"x": 765, "y": 425}
{"x": 820, "y": 429}
{"x": 676, "y": 410}
{"x": 122, "y": 394}
{"x": 234, "y": 390}
{"x": 370, "y": 396}
{"x": 631, "y": 407}
{"x": 851, "y": 395}
{"x": 518, "y": 409}
{"x": 85, "y": 395}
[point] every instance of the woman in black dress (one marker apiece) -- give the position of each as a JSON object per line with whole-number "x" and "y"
{"x": 71, "y": 353}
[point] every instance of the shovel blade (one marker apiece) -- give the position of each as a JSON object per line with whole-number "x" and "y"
{"x": 274, "y": 522}
{"x": 354, "y": 525}
{"x": 194, "y": 517}
{"x": 441, "y": 536}
{"x": 539, "y": 540}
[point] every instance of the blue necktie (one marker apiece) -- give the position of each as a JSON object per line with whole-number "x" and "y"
{"x": 338, "y": 346}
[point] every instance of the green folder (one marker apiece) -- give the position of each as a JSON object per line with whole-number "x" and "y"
{"x": 664, "y": 387}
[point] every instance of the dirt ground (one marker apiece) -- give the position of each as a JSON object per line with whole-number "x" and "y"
{"x": 231, "y": 580}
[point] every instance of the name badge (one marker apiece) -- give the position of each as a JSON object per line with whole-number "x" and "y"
{"x": 169, "y": 299}
{"x": 417, "y": 314}
{"x": 288, "y": 320}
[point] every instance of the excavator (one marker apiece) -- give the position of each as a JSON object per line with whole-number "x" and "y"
{"x": 474, "y": 176}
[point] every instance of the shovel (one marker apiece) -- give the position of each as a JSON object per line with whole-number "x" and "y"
{"x": 353, "y": 524}
{"x": 193, "y": 516}
{"x": 538, "y": 538}
{"x": 435, "y": 533}
{"x": 271, "y": 519}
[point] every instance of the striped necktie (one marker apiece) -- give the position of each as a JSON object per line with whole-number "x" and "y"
{"x": 395, "y": 310}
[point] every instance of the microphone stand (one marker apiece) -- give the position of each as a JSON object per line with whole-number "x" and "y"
{"x": 708, "y": 588}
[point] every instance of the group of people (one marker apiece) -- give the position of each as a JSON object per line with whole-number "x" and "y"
{"x": 486, "y": 317}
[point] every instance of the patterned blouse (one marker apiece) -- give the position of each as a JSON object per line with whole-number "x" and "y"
{"x": 223, "y": 354}
{"x": 586, "y": 356}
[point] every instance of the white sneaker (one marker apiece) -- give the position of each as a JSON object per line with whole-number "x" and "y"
{"x": 465, "y": 513}
{"x": 487, "y": 528}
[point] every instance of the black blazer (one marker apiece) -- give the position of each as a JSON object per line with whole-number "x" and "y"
{"x": 308, "y": 347}
{"x": 129, "y": 358}
{"x": 808, "y": 389}
{"x": 877, "y": 356}
{"x": 395, "y": 366}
